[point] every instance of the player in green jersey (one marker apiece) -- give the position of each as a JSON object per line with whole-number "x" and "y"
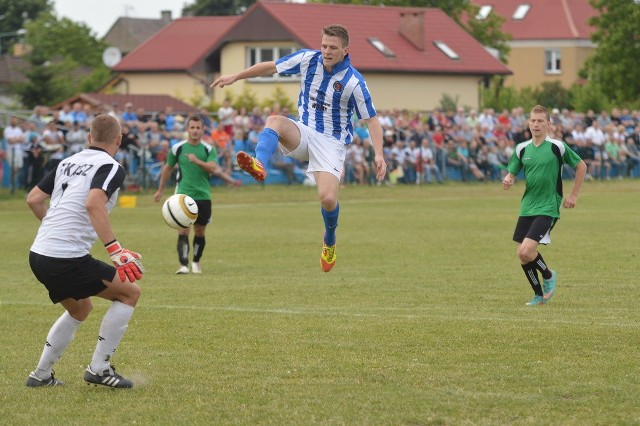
{"x": 196, "y": 161}
{"x": 541, "y": 158}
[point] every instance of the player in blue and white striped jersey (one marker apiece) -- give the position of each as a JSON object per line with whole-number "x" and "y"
{"x": 331, "y": 91}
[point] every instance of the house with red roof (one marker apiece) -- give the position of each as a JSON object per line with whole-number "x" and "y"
{"x": 105, "y": 102}
{"x": 411, "y": 57}
{"x": 179, "y": 60}
{"x": 551, "y": 39}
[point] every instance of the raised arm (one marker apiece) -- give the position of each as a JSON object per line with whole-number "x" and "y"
{"x": 257, "y": 70}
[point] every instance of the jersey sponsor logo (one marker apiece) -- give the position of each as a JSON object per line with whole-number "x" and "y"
{"x": 73, "y": 169}
{"x": 318, "y": 105}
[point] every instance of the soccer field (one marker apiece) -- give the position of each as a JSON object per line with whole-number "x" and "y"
{"x": 421, "y": 322}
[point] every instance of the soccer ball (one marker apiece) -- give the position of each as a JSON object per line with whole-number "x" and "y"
{"x": 180, "y": 211}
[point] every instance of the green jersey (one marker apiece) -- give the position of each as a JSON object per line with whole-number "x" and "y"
{"x": 543, "y": 175}
{"x": 192, "y": 179}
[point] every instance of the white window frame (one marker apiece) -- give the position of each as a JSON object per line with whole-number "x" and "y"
{"x": 552, "y": 61}
{"x": 483, "y": 12}
{"x": 276, "y": 53}
{"x": 444, "y": 48}
{"x": 382, "y": 48}
{"x": 521, "y": 12}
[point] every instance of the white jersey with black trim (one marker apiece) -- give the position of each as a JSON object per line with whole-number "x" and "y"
{"x": 66, "y": 230}
{"x": 328, "y": 100}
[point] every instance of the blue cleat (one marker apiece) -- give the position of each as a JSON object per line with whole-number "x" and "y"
{"x": 549, "y": 286}
{"x": 537, "y": 300}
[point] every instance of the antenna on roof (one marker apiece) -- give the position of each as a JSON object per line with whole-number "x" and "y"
{"x": 128, "y": 8}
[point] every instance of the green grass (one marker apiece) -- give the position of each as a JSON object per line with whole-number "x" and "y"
{"x": 421, "y": 322}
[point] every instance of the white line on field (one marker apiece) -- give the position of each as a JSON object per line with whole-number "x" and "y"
{"x": 378, "y": 313}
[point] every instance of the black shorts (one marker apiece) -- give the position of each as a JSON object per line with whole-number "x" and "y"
{"x": 76, "y": 278}
{"x": 204, "y": 212}
{"x": 534, "y": 227}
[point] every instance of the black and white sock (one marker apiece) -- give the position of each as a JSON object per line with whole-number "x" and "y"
{"x": 198, "y": 248}
{"x": 183, "y": 249}
{"x": 532, "y": 276}
{"x": 542, "y": 267}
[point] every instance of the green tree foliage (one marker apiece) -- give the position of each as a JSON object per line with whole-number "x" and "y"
{"x": 278, "y": 98}
{"x": 14, "y": 13}
{"x": 448, "y": 102}
{"x": 61, "y": 50}
{"x": 13, "y": 16}
{"x": 614, "y": 66}
{"x": 216, "y": 7}
{"x": 589, "y": 96}
{"x": 247, "y": 99}
{"x": 553, "y": 94}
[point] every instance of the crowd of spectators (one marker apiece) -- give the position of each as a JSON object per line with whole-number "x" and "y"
{"x": 472, "y": 145}
{"x": 419, "y": 148}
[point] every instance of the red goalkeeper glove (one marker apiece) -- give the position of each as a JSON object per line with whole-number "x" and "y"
{"x": 127, "y": 262}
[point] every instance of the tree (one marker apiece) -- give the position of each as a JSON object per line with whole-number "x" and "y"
{"x": 614, "y": 65}
{"x": 216, "y": 7}
{"x": 61, "y": 50}
{"x": 13, "y": 16}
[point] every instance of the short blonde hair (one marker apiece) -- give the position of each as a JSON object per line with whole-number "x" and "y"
{"x": 540, "y": 109}
{"x": 105, "y": 129}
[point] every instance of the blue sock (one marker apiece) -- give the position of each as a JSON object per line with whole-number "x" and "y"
{"x": 267, "y": 145}
{"x": 330, "y": 225}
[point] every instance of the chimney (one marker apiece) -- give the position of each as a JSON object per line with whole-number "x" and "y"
{"x": 165, "y": 16}
{"x": 412, "y": 27}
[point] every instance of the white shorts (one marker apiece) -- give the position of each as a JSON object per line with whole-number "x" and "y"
{"x": 324, "y": 153}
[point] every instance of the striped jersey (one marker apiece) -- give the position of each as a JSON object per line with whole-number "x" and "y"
{"x": 327, "y": 100}
{"x": 66, "y": 230}
{"x": 192, "y": 179}
{"x": 542, "y": 166}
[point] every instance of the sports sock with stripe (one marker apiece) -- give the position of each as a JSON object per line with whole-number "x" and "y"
{"x": 542, "y": 267}
{"x": 183, "y": 249}
{"x": 198, "y": 248}
{"x": 532, "y": 276}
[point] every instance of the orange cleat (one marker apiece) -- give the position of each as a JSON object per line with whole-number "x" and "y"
{"x": 327, "y": 257}
{"x": 251, "y": 165}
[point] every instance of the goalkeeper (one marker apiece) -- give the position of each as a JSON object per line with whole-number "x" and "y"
{"x": 82, "y": 191}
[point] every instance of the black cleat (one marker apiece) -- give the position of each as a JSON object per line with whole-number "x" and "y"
{"x": 108, "y": 377}
{"x": 34, "y": 381}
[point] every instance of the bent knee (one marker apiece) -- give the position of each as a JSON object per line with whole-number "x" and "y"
{"x": 525, "y": 255}
{"x": 134, "y": 294}
{"x": 328, "y": 201}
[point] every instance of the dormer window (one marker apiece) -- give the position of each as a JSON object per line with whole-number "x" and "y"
{"x": 446, "y": 49}
{"x": 382, "y": 48}
{"x": 521, "y": 11}
{"x": 484, "y": 12}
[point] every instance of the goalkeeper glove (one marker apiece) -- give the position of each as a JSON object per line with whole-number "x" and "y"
{"x": 127, "y": 262}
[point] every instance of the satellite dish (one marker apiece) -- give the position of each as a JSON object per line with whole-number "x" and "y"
{"x": 111, "y": 56}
